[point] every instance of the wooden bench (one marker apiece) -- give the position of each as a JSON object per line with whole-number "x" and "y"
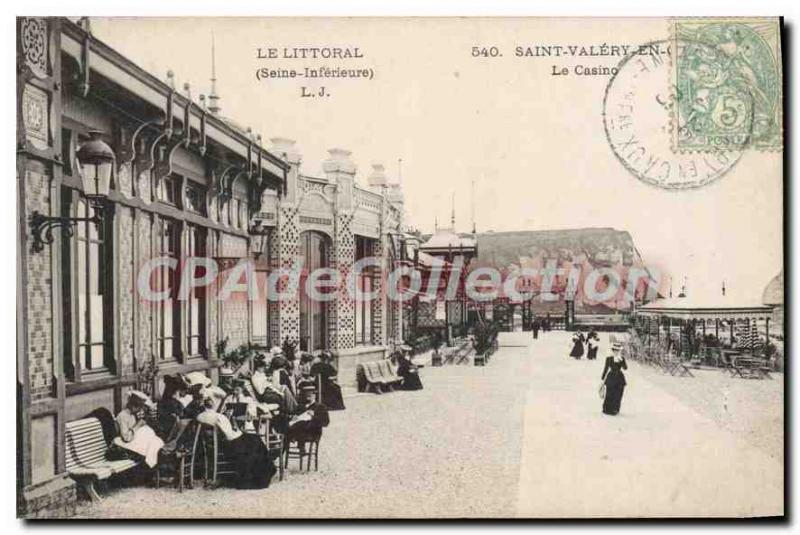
{"x": 377, "y": 376}
{"x": 749, "y": 367}
{"x": 86, "y": 461}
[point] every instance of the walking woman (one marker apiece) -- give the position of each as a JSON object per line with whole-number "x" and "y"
{"x": 614, "y": 379}
{"x": 592, "y": 344}
{"x": 577, "y": 346}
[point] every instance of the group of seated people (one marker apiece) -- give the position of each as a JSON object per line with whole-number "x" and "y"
{"x": 291, "y": 398}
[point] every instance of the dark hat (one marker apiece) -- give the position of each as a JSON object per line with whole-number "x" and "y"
{"x": 174, "y": 382}
{"x": 278, "y": 362}
{"x": 238, "y": 382}
{"x": 137, "y": 396}
{"x": 259, "y": 360}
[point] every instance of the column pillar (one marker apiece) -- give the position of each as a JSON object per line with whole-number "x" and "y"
{"x": 285, "y": 314}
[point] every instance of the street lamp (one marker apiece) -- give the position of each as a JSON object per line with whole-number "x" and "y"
{"x": 259, "y": 235}
{"x": 96, "y": 160}
{"x": 96, "y": 163}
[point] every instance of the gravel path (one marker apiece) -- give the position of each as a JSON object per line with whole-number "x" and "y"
{"x": 664, "y": 455}
{"x": 750, "y": 408}
{"x": 452, "y": 450}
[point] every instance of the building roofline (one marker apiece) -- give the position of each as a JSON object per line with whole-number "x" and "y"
{"x": 156, "y": 92}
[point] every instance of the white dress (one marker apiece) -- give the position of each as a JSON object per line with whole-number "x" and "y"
{"x": 142, "y": 440}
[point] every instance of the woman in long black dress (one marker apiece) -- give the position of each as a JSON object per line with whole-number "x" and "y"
{"x": 170, "y": 406}
{"x": 577, "y": 346}
{"x": 592, "y": 344}
{"x": 254, "y": 466}
{"x": 614, "y": 379}
{"x": 408, "y": 371}
{"x": 325, "y": 378}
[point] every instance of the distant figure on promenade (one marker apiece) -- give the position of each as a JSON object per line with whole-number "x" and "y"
{"x": 536, "y": 327}
{"x": 614, "y": 379}
{"x": 408, "y": 371}
{"x": 592, "y": 344}
{"x": 577, "y": 346}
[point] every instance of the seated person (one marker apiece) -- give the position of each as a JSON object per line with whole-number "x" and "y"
{"x": 279, "y": 368}
{"x": 264, "y": 390}
{"x": 254, "y": 467}
{"x": 195, "y": 406}
{"x": 305, "y": 383}
{"x": 325, "y": 377}
{"x": 242, "y": 407}
{"x": 171, "y": 406}
{"x": 307, "y": 426}
{"x": 408, "y": 371}
{"x": 135, "y": 437}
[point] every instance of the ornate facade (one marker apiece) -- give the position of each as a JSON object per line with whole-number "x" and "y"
{"x": 186, "y": 182}
{"x": 347, "y": 222}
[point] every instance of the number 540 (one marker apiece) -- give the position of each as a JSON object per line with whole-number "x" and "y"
{"x": 484, "y": 52}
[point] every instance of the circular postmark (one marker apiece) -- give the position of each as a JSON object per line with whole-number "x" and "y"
{"x": 640, "y": 107}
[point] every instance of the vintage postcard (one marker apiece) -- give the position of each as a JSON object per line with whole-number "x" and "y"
{"x": 390, "y": 268}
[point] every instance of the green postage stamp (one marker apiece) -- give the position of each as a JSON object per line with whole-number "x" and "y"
{"x": 727, "y": 78}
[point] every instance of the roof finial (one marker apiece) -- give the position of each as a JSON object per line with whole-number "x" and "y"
{"x": 473, "y": 207}
{"x": 453, "y": 211}
{"x": 399, "y": 170}
{"x": 213, "y": 97}
{"x": 723, "y": 287}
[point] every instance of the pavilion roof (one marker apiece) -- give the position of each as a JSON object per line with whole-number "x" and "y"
{"x": 447, "y": 238}
{"x": 706, "y": 307}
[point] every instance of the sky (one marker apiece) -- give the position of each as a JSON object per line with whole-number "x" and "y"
{"x": 533, "y": 143}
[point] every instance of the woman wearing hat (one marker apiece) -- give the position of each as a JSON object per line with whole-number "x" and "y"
{"x": 614, "y": 379}
{"x": 254, "y": 468}
{"x": 408, "y": 370}
{"x": 134, "y": 435}
{"x": 577, "y": 346}
{"x": 240, "y": 397}
{"x": 592, "y": 344}
{"x": 325, "y": 377}
{"x": 171, "y": 405}
{"x": 268, "y": 392}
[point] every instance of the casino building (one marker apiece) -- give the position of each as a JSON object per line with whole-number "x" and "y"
{"x": 116, "y": 166}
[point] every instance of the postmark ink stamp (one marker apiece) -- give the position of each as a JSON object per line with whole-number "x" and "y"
{"x": 639, "y": 107}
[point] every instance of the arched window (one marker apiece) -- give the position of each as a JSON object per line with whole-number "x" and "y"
{"x": 314, "y": 248}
